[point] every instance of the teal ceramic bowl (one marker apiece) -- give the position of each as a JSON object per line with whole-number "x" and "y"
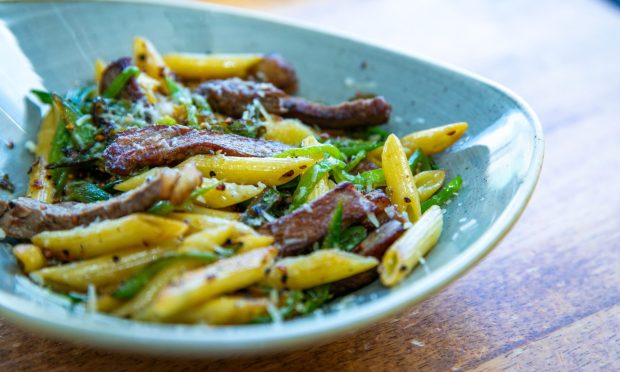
{"x": 53, "y": 45}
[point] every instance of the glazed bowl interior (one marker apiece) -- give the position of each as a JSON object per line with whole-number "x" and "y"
{"x": 54, "y": 45}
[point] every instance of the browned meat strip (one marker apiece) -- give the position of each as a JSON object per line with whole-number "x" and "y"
{"x": 382, "y": 201}
{"x": 231, "y": 96}
{"x": 374, "y": 245}
{"x": 23, "y": 218}
{"x": 131, "y": 91}
{"x": 351, "y": 114}
{"x": 275, "y": 70}
{"x": 308, "y": 224}
{"x": 363, "y": 166}
{"x": 158, "y": 145}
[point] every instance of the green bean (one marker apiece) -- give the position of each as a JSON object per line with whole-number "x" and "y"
{"x": 355, "y": 160}
{"x": 334, "y": 229}
{"x": 43, "y": 96}
{"x": 444, "y": 194}
{"x": 82, "y": 131}
{"x": 60, "y": 141}
{"x": 134, "y": 284}
{"x": 352, "y": 236}
{"x": 311, "y": 177}
{"x": 378, "y": 131}
{"x": 85, "y": 192}
{"x": 119, "y": 82}
{"x": 161, "y": 208}
{"x": 311, "y": 151}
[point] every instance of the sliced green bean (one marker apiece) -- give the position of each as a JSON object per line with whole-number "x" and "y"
{"x": 443, "y": 195}
{"x": 85, "y": 192}
{"x": 334, "y": 229}
{"x": 120, "y": 81}
{"x": 311, "y": 177}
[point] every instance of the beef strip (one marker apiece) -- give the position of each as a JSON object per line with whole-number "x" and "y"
{"x": 363, "y": 166}
{"x": 158, "y": 145}
{"x": 131, "y": 91}
{"x": 23, "y": 218}
{"x": 374, "y": 245}
{"x": 231, "y": 96}
{"x": 308, "y": 224}
{"x": 275, "y": 70}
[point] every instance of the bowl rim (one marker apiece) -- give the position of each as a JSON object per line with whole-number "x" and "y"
{"x": 203, "y": 341}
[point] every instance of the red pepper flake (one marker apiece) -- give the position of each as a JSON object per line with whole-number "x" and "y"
{"x": 220, "y": 187}
{"x": 407, "y": 200}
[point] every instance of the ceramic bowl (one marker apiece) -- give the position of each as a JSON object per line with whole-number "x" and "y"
{"x": 53, "y": 45}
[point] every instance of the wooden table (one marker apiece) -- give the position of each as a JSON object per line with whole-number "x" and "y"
{"x": 548, "y": 297}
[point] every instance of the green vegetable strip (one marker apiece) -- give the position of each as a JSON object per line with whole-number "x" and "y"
{"x": 119, "y": 82}
{"x": 351, "y": 237}
{"x": 78, "y": 96}
{"x": 331, "y": 150}
{"x": 300, "y": 302}
{"x": 60, "y": 141}
{"x": 83, "y": 135}
{"x": 334, "y": 230}
{"x": 311, "y": 177}
{"x": 85, "y": 192}
{"x": 161, "y": 208}
{"x": 134, "y": 284}
{"x": 444, "y": 194}
{"x": 355, "y": 160}
{"x": 43, "y": 96}
{"x": 351, "y": 148}
{"x": 378, "y": 131}
{"x": 414, "y": 160}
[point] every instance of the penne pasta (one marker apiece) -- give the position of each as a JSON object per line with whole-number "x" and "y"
{"x": 289, "y": 131}
{"x": 30, "y": 257}
{"x": 198, "y": 222}
{"x": 193, "y": 208}
{"x": 107, "y": 236}
{"x": 317, "y": 268}
{"x": 226, "y": 310}
{"x": 434, "y": 140}
{"x": 196, "y": 286}
{"x": 197, "y": 66}
{"x": 227, "y": 194}
{"x": 428, "y": 182}
{"x": 250, "y": 242}
{"x": 207, "y": 239}
{"x": 409, "y": 249}
{"x": 430, "y": 141}
{"x": 134, "y": 307}
{"x": 249, "y": 170}
{"x": 101, "y": 271}
{"x": 137, "y": 180}
{"x": 399, "y": 179}
{"x": 39, "y": 186}
{"x": 147, "y": 59}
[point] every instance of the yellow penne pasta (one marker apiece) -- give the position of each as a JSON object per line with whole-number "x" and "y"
{"x": 399, "y": 179}
{"x": 100, "y": 271}
{"x": 320, "y": 267}
{"x": 434, "y": 140}
{"x": 226, "y": 310}
{"x": 107, "y": 303}
{"x": 249, "y": 170}
{"x": 207, "y": 239}
{"x": 147, "y": 59}
{"x": 39, "y": 186}
{"x": 289, "y": 131}
{"x": 428, "y": 182}
{"x": 193, "y": 208}
{"x": 30, "y": 257}
{"x": 137, "y": 180}
{"x": 199, "y": 66}
{"x": 198, "y": 222}
{"x": 99, "y": 68}
{"x": 142, "y": 299}
{"x": 202, "y": 284}
{"x": 107, "y": 236}
{"x": 227, "y": 194}
{"x": 409, "y": 249}
{"x": 250, "y": 242}
{"x": 430, "y": 141}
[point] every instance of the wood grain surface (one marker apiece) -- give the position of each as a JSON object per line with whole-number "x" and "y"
{"x": 548, "y": 297}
